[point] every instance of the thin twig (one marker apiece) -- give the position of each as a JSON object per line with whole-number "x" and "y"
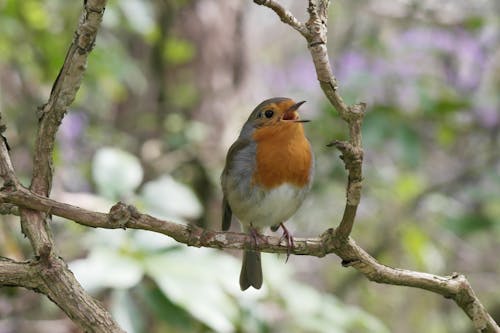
{"x": 285, "y": 15}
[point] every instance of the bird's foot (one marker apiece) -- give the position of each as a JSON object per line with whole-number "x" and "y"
{"x": 289, "y": 239}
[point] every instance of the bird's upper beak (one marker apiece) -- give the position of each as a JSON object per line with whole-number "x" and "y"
{"x": 292, "y": 115}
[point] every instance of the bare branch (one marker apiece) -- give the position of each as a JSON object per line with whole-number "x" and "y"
{"x": 285, "y": 15}
{"x": 63, "y": 93}
{"x": 51, "y": 277}
{"x": 6, "y": 169}
{"x": 61, "y": 286}
{"x": 18, "y": 274}
{"x": 352, "y": 153}
{"x": 123, "y": 216}
{"x": 455, "y": 287}
{"x": 51, "y": 114}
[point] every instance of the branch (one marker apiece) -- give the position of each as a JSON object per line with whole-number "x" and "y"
{"x": 6, "y": 169}
{"x": 63, "y": 93}
{"x": 285, "y": 15}
{"x": 49, "y": 274}
{"x": 456, "y": 286}
{"x": 51, "y": 114}
{"x": 18, "y": 274}
{"x": 124, "y": 216}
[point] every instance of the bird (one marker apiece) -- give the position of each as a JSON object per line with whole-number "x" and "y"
{"x": 268, "y": 172}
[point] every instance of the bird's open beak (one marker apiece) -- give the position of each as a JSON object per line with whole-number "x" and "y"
{"x": 292, "y": 115}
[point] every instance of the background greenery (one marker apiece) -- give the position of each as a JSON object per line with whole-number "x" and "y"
{"x": 168, "y": 86}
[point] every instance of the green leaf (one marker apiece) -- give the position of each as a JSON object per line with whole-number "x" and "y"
{"x": 408, "y": 186}
{"x": 469, "y": 223}
{"x": 421, "y": 248}
{"x": 178, "y": 51}
{"x": 409, "y": 145}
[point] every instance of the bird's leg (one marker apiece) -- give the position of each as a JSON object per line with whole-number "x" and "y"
{"x": 289, "y": 239}
{"x": 254, "y": 233}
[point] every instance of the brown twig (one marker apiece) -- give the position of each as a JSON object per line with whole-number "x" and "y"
{"x": 285, "y": 15}
{"x": 18, "y": 274}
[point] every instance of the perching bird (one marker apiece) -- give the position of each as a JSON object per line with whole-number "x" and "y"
{"x": 268, "y": 172}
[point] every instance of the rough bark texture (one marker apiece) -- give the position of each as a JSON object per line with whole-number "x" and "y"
{"x": 49, "y": 274}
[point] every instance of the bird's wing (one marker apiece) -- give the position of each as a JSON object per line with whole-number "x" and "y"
{"x": 227, "y": 212}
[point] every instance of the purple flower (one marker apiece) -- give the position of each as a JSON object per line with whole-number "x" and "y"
{"x": 488, "y": 117}
{"x": 350, "y": 64}
{"x": 73, "y": 126}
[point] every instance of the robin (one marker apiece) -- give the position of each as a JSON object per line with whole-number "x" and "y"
{"x": 268, "y": 172}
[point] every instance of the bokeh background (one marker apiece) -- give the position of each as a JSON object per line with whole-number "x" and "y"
{"x": 167, "y": 88}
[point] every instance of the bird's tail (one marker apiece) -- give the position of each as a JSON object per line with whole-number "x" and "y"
{"x": 251, "y": 270}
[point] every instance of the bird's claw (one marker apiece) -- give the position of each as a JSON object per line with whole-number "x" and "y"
{"x": 289, "y": 240}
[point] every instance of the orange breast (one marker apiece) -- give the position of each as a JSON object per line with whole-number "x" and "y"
{"x": 283, "y": 155}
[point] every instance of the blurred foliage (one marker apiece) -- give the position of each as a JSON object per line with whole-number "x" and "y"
{"x": 167, "y": 87}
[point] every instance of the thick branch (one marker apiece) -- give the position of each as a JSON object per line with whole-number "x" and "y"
{"x": 51, "y": 277}
{"x": 18, "y": 274}
{"x": 61, "y": 286}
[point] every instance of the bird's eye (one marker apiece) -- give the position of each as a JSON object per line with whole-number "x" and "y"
{"x": 269, "y": 113}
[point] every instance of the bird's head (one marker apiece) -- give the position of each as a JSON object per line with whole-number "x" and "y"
{"x": 276, "y": 111}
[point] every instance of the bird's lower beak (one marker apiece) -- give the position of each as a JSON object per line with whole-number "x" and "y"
{"x": 292, "y": 115}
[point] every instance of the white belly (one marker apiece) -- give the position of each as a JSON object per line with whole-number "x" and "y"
{"x": 261, "y": 209}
